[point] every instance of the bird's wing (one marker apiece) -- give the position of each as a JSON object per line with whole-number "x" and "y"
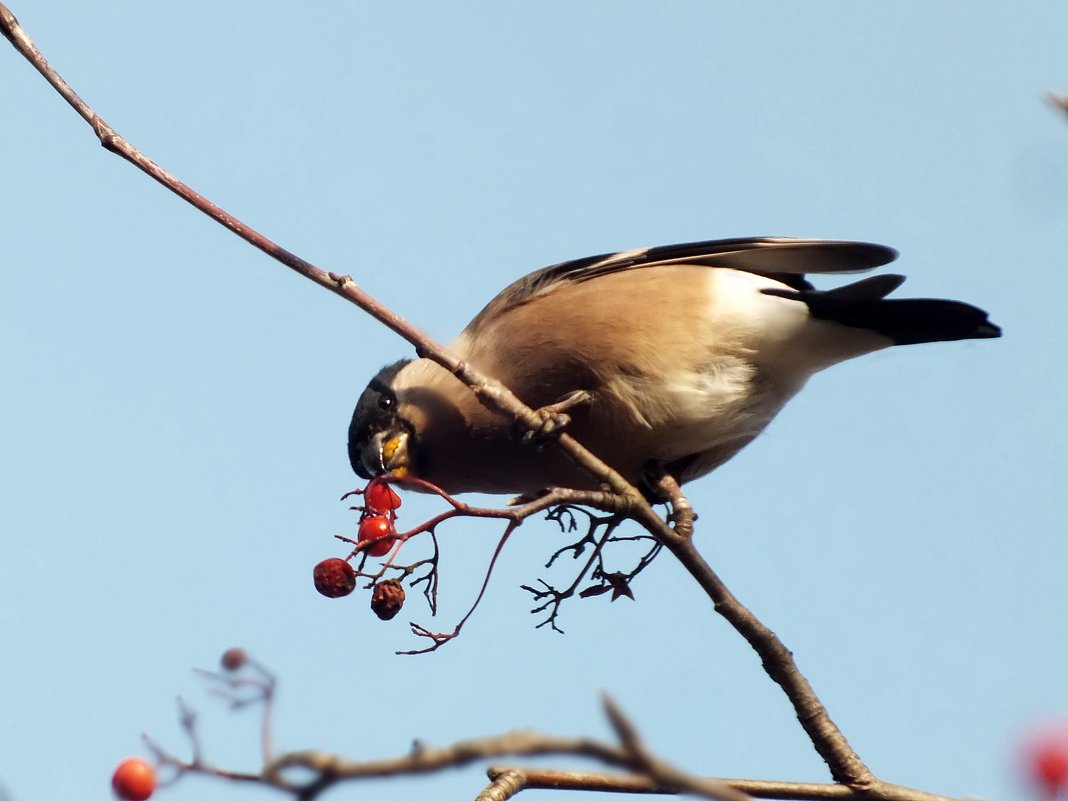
{"x": 782, "y": 258}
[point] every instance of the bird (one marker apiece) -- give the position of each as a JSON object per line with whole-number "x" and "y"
{"x": 672, "y": 357}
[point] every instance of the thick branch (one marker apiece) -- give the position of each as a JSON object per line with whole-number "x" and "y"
{"x": 540, "y": 779}
{"x": 845, "y": 765}
{"x": 503, "y": 786}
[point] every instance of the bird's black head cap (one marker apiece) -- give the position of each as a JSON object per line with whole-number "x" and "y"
{"x": 376, "y": 410}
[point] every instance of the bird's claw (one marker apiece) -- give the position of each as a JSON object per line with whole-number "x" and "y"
{"x": 553, "y": 419}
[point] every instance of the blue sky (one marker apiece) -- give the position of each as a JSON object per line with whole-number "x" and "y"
{"x": 175, "y": 404}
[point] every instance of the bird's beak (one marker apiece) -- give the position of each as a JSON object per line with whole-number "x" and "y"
{"x": 389, "y": 450}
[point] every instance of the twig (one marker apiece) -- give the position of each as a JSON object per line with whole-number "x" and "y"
{"x": 643, "y": 761}
{"x": 258, "y": 689}
{"x": 330, "y": 768}
{"x": 441, "y": 639}
{"x": 557, "y": 597}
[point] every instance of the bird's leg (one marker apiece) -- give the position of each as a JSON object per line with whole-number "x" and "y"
{"x": 664, "y": 488}
{"x": 652, "y": 474}
{"x": 554, "y": 417}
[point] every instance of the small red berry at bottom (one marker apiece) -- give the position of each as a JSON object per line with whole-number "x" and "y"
{"x": 334, "y": 578}
{"x": 133, "y": 780}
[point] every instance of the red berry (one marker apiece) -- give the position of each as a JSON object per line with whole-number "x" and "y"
{"x": 133, "y": 780}
{"x": 334, "y": 578}
{"x": 373, "y": 527}
{"x": 380, "y": 498}
{"x": 1046, "y": 758}
{"x": 234, "y": 659}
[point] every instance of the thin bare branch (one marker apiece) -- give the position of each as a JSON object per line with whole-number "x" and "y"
{"x": 440, "y": 639}
{"x": 332, "y": 768}
{"x": 663, "y": 774}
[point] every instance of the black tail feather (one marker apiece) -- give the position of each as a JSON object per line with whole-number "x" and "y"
{"x": 906, "y": 322}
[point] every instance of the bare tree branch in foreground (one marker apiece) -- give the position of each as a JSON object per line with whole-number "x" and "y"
{"x": 639, "y": 771}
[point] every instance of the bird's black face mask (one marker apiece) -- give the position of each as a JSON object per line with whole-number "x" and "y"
{"x": 376, "y": 411}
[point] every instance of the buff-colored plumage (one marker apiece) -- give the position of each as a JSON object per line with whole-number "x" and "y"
{"x": 687, "y": 359}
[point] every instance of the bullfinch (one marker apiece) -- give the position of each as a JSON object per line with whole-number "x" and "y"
{"x": 676, "y": 356}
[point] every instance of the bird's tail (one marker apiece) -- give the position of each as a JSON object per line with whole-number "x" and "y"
{"x": 906, "y": 322}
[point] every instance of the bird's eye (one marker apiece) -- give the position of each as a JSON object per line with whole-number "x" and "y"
{"x": 386, "y": 402}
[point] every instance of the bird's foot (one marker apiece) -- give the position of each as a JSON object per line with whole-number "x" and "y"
{"x": 554, "y": 418}
{"x": 660, "y": 486}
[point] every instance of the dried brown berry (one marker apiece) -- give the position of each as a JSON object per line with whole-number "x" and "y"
{"x": 334, "y": 578}
{"x": 387, "y": 599}
{"x": 234, "y": 658}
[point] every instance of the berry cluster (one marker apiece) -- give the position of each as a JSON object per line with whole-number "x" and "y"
{"x": 380, "y": 504}
{"x": 376, "y": 534}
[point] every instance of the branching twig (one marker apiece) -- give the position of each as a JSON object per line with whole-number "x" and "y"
{"x": 557, "y": 597}
{"x": 643, "y": 762}
{"x": 645, "y": 772}
{"x": 441, "y": 639}
{"x": 605, "y": 581}
{"x": 554, "y": 500}
{"x": 330, "y": 769}
{"x": 242, "y": 689}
